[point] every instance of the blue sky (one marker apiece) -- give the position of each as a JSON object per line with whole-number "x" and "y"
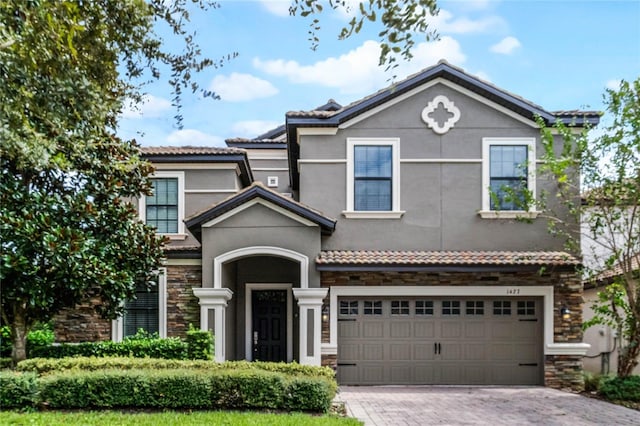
{"x": 558, "y": 54}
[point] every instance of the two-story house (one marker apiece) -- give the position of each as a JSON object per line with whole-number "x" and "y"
{"x": 376, "y": 238}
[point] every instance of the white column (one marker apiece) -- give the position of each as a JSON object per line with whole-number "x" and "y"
{"x": 214, "y": 299}
{"x": 310, "y": 304}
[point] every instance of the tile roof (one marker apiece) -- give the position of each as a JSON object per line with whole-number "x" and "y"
{"x": 608, "y": 275}
{"x": 440, "y": 258}
{"x": 189, "y": 150}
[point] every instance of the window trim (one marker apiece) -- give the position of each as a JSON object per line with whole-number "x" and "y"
{"x": 117, "y": 325}
{"x": 142, "y": 205}
{"x": 486, "y": 212}
{"x": 395, "y": 212}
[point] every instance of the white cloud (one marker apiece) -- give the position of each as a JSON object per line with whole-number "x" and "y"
{"x": 358, "y": 72}
{"x": 613, "y": 84}
{"x": 445, "y": 23}
{"x": 193, "y": 137}
{"x": 506, "y": 46}
{"x": 277, "y": 7}
{"x": 150, "y": 107}
{"x": 241, "y": 87}
{"x": 483, "y": 76}
{"x": 253, "y": 128}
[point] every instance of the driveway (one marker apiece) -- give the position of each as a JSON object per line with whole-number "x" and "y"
{"x": 464, "y": 405}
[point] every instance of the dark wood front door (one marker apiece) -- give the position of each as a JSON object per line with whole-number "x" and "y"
{"x": 269, "y": 334}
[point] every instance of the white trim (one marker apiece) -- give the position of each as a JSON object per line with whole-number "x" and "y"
{"x": 449, "y": 106}
{"x": 220, "y": 260}
{"x": 317, "y": 131}
{"x": 373, "y": 214}
{"x": 395, "y": 172}
{"x": 182, "y": 262}
{"x": 248, "y": 317}
{"x": 210, "y": 191}
{"x": 486, "y": 178}
{"x": 310, "y": 299}
{"x": 441, "y": 160}
{"x": 117, "y": 325}
{"x": 508, "y": 214}
{"x": 323, "y": 161}
{"x": 546, "y": 292}
{"x": 264, "y": 203}
{"x": 142, "y": 205}
{"x": 196, "y": 166}
{"x": 272, "y": 181}
{"x": 270, "y": 169}
{"x": 432, "y": 83}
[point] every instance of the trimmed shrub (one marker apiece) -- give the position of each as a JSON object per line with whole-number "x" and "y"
{"x": 6, "y": 363}
{"x": 621, "y": 389}
{"x": 47, "y": 365}
{"x": 18, "y": 390}
{"x": 199, "y": 344}
{"x": 185, "y": 389}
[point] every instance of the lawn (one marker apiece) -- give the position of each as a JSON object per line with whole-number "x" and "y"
{"x": 170, "y": 418}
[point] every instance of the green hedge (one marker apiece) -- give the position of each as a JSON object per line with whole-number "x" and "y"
{"x": 185, "y": 389}
{"x": 49, "y": 365}
{"x": 621, "y": 389}
{"x": 18, "y": 390}
{"x": 171, "y": 348}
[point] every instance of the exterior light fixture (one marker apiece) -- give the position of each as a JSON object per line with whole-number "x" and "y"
{"x": 565, "y": 312}
{"x": 325, "y": 313}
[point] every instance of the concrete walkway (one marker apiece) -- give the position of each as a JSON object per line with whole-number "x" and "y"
{"x": 463, "y": 405}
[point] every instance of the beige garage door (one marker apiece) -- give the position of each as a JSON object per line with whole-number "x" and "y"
{"x": 428, "y": 340}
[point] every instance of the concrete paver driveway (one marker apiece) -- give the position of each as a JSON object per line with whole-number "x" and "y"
{"x": 462, "y": 405}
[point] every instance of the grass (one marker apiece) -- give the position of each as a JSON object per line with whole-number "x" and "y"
{"x": 169, "y": 418}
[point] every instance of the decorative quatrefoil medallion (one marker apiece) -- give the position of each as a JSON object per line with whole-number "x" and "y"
{"x": 450, "y": 108}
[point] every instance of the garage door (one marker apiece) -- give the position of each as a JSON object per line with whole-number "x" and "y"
{"x": 470, "y": 340}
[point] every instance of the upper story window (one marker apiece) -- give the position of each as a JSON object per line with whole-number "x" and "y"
{"x": 373, "y": 178}
{"x": 164, "y": 209}
{"x": 508, "y": 173}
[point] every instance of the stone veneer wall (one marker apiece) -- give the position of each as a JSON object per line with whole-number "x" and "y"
{"x": 82, "y": 324}
{"x": 561, "y": 371}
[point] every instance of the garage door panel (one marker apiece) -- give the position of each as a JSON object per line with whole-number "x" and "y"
{"x": 419, "y": 341}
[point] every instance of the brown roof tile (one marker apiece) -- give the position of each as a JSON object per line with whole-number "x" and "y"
{"x": 425, "y": 258}
{"x": 608, "y": 275}
{"x": 189, "y": 150}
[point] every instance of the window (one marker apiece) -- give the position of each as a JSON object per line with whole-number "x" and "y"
{"x": 348, "y": 307}
{"x": 399, "y": 307}
{"x": 424, "y": 307}
{"x": 475, "y": 307}
{"x": 373, "y": 308}
{"x": 508, "y": 172}
{"x": 164, "y": 209}
{"x": 450, "y": 307}
{"x": 526, "y": 307}
{"x": 146, "y": 311}
{"x": 373, "y": 186}
{"x": 501, "y": 307}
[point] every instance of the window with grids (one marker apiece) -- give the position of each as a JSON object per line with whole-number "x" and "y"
{"x": 143, "y": 312}
{"x": 508, "y": 176}
{"x": 450, "y": 307}
{"x": 424, "y": 307}
{"x": 526, "y": 307}
{"x": 373, "y": 177}
{"x": 502, "y": 307}
{"x": 399, "y": 307}
{"x": 162, "y": 206}
{"x": 348, "y": 307}
{"x": 372, "y": 307}
{"x": 475, "y": 307}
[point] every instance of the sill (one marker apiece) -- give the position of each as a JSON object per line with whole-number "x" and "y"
{"x": 175, "y": 237}
{"x": 508, "y": 214}
{"x": 373, "y": 214}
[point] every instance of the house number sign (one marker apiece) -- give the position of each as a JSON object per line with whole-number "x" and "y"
{"x": 513, "y": 291}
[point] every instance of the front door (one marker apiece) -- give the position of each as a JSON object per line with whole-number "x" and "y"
{"x": 269, "y": 332}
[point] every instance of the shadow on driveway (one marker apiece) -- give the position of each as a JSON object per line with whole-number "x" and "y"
{"x": 467, "y": 405}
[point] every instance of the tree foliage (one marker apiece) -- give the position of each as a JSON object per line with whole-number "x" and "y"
{"x": 400, "y": 22}
{"x": 608, "y": 167}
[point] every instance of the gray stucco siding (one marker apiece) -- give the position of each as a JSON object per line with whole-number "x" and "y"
{"x": 210, "y": 179}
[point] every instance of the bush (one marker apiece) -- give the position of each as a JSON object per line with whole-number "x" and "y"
{"x": 199, "y": 344}
{"x": 185, "y": 388}
{"x": 6, "y": 363}
{"x": 592, "y": 382}
{"x": 621, "y": 389}
{"x": 41, "y": 336}
{"x": 48, "y": 365}
{"x": 18, "y": 390}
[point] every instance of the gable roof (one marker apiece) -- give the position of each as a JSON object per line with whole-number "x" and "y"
{"x": 258, "y": 190}
{"x": 444, "y": 70}
{"x": 200, "y": 154}
{"x": 416, "y": 260}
